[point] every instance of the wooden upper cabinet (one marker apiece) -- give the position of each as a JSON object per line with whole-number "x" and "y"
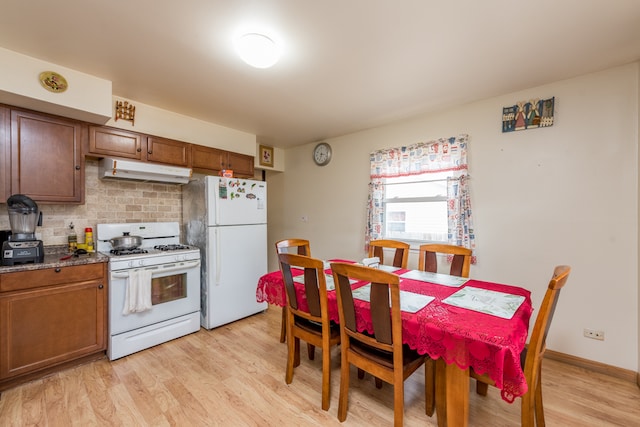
{"x": 106, "y": 141}
{"x": 211, "y": 161}
{"x": 47, "y": 163}
{"x": 168, "y": 151}
{"x": 240, "y": 164}
{"x": 5, "y": 154}
{"x": 207, "y": 159}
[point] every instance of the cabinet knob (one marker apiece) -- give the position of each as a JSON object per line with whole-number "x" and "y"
{"x": 77, "y": 167}
{"x": 58, "y": 270}
{"x": 100, "y": 286}
{"x": 149, "y": 152}
{"x": 139, "y": 150}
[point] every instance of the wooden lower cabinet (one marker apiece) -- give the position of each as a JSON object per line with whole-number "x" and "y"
{"x": 50, "y": 325}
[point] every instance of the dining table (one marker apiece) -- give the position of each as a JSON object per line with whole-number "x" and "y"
{"x": 461, "y": 323}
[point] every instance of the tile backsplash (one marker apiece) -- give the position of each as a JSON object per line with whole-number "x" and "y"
{"x": 106, "y": 202}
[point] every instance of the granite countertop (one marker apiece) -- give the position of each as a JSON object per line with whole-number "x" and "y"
{"x": 52, "y": 255}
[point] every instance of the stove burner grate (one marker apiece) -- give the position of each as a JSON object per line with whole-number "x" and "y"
{"x": 128, "y": 251}
{"x": 173, "y": 247}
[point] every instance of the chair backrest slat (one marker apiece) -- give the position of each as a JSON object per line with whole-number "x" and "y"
{"x": 314, "y": 282}
{"x": 384, "y": 302}
{"x": 400, "y": 255}
{"x": 460, "y": 263}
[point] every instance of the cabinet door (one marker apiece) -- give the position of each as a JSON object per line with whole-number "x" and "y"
{"x": 106, "y": 141}
{"x": 208, "y": 160}
{"x": 51, "y": 325}
{"x": 211, "y": 161}
{"x": 5, "y": 154}
{"x": 240, "y": 164}
{"x": 168, "y": 151}
{"x": 46, "y": 157}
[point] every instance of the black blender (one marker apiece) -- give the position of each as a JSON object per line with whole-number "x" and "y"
{"x": 22, "y": 246}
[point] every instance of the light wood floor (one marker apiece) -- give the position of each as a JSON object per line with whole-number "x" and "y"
{"x": 234, "y": 376}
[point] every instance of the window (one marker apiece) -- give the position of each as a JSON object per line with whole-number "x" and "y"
{"x": 415, "y": 208}
{"x": 420, "y": 193}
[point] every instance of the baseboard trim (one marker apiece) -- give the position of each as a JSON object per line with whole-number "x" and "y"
{"x": 612, "y": 371}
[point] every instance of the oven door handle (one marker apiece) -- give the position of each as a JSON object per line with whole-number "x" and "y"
{"x": 157, "y": 269}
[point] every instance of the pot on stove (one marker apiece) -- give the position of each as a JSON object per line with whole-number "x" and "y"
{"x": 126, "y": 242}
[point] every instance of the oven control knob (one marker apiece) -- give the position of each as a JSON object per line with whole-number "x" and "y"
{"x": 130, "y": 264}
{"x": 140, "y": 262}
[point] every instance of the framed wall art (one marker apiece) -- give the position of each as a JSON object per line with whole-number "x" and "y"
{"x": 535, "y": 113}
{"x": 266, "y": 156}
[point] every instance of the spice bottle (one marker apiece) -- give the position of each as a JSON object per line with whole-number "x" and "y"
{"x": 73, "y": 238}
{"x": 88, "y": 239}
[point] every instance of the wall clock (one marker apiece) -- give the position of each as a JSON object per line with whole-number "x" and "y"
{"x": 322, "y": 154}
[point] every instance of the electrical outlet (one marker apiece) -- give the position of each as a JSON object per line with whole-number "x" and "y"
{"x": 593, "y": 334}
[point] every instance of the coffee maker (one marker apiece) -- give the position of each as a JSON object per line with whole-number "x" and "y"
{"x": 22, "y": 247}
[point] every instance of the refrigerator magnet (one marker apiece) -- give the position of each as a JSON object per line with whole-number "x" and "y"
{"x": 222, "y": 189}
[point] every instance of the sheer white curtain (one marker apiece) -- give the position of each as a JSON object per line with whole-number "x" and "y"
{"x": 442, "y": 155}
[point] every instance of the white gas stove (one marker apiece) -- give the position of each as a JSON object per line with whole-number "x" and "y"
{"x": 170, "y": 270}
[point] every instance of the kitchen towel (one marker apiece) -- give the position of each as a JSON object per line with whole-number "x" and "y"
{"x": 137, "y": 296}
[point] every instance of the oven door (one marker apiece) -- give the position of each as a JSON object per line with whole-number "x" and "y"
{"x": 175, "y": 291}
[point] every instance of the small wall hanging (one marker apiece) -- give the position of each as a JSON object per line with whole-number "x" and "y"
{"x": 125, "y": 111}
{"x": 530, "y": 114}
{"x": 266, "y": 156}
{"x": 53, "y": 82}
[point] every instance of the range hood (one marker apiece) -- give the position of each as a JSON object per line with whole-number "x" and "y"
{"x": 109, "y": 168}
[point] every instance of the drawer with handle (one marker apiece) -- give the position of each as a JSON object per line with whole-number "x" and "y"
{"x": 20, "y": 280}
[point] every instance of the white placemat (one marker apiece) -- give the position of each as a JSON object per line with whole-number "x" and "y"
{"x": 410, "y": 302}
{"x": 496, "y": 303}
{"x": 328, "y": 279}
{"x": 437, "y": 278}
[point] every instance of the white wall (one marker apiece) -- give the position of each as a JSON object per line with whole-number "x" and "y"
{"x": 159, "y": 122}
{"x": 86, "y": 98}
{"x": 566, "y": 194}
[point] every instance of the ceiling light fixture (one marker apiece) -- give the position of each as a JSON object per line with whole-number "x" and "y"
{"x": 257, "y": 50}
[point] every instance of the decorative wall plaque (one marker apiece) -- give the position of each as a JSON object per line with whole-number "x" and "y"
{"x": 125, "y": 111}
{"x": 528, "y": 115}
{"x": 53, "y": 82}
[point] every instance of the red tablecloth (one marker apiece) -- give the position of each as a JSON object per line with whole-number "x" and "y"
{"x": 487, "y": 343}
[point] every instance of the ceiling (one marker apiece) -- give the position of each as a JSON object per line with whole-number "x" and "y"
{"x": 346, "y": 65}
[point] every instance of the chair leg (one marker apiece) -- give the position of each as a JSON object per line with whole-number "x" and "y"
{"x": 527, "y": 409}
{"x": 311, "y": 351}
{"x": 430, "y": 386}
{"x": 538, "y": 401}
{"x": 293, "y": 356}
{"x": 283, "y": 326}
{"x": 398, "y": 400}
{"x": 343, "y": 401}
{"x": 378, "y": 382}
{"x": 360, "y": 373}
{"x": 326, "y": 377}
{"x": 482, "y": 388}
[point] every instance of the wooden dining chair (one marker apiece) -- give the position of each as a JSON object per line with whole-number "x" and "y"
{"x": 400, "y": 250}
{"x": 311, "y": 325}
{"x": 531, "y": 357}
{"x": 460, "y": 265}
{"x": 300, "y": 247}
{"x": 381, "y": 353}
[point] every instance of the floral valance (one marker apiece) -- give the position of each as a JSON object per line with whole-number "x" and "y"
{"x": 444, "y": 154}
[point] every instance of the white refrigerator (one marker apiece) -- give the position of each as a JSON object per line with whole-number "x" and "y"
{"x": 227, "y": 219}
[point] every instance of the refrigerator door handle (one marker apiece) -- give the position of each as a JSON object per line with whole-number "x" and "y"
{"x": 218, "y": 263}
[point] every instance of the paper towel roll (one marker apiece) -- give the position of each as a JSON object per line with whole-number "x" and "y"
{"x": 372, "y": 262}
